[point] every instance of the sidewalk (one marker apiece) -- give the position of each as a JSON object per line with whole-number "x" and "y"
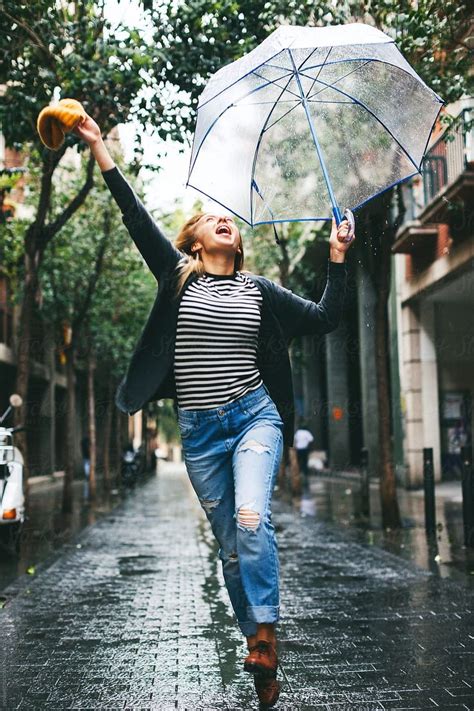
{"x": 446, "y": 489}
{"x": 134, "y": 615}
{"x": 336, "y": 497}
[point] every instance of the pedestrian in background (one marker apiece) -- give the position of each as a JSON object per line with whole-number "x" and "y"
{"x": 301, "y": 443}
{"x": 216, "y": 315}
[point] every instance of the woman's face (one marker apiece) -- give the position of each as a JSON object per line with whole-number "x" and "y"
{"x": 216, "y": 233}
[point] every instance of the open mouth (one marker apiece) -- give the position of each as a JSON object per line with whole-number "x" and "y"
{"x": 223, "y": 229}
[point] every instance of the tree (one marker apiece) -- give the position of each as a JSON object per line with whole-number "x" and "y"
{"x": 95, "y": 284}
{"x": 120, "y": 307}
{"x": 71, "y": 270}
{"x": 61, "y": 49}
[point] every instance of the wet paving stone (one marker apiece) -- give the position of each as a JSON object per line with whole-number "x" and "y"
{"x": 135, "y": 615}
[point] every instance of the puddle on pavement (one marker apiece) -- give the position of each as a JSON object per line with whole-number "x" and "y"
{"x": 338, "y": 501}
{"x": 47, "y": 529}
{"x": 136, "y": 564}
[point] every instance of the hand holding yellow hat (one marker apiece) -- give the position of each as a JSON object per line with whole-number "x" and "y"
{"x": 56, "y": 120}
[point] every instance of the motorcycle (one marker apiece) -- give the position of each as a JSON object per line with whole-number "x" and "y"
{"x": 12, "y": 499}
{"x": 130, "y": 468}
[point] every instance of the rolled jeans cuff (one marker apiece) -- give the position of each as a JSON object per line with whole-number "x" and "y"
{"x": 264, "y": 613}
{"x": 248, "y": 629}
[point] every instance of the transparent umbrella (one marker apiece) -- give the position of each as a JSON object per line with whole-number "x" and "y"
{"x": 313, "y": 120}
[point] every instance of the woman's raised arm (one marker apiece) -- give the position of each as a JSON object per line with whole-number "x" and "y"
{"x": 159, "y": 253}
{"x": 300, "y": 317}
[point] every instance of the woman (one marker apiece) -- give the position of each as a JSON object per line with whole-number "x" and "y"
{"x": 217, "y": 340}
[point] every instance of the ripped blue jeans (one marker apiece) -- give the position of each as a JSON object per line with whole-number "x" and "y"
{"x": 232, "y": 455}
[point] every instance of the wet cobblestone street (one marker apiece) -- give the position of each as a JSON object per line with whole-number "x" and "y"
{"x": 134, "y": 615}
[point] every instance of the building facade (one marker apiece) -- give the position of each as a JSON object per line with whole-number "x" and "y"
{"x": 434, "y": 286}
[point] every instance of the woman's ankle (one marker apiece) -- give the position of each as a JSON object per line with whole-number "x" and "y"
{"x": 266, "y": 632}
{"x": 252, "y": 640}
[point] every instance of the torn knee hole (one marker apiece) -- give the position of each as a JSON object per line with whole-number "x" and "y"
{"x": 254, "y": 446}
{"x": 247, "y": 518}
{"x": 209, "y": 504}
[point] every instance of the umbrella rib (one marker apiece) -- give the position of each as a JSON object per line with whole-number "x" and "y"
{"x": 284, "y": 101}
{"x": 310, "y": 55}
{"x": 267, "y": 128}
{"x": 254, "y": 163}
{"x": 329, "y": 101}
{"x": 367, "y": 60}
{"x": 332, "y": 197}
{"x": 364, "y": 106}
{"x": 191, "y": 168}
{"x": 291, "y": 219}
{"x": 274, "y": 81}
{"x": 274, "y": 66}
{"x": 240, "y": 79}
{"x": 356, "y": 69}
{"x": 219, "y": 203}
{"x": 320, "y": 70}
{"x": 258, "y": 88}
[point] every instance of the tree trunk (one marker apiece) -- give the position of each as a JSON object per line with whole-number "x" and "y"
{"x": 33, "y": 251}
{"x": 108, "y": 431}
{"x": 67, "y": 504}
{"x": 37, "y": 237}
{"x": 23, "y": 356}
{"x": 92, "y": 428}
{"x": 387, "y": 482}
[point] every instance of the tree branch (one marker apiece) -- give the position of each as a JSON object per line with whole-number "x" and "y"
{"x": 50, "y": 161}
{"x": 78, "y": 319}
{"x": 53, "y": 227}
{"x": 32, "y": 34}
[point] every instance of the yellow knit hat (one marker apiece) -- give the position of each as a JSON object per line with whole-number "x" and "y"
{"x": 56, "y": 120}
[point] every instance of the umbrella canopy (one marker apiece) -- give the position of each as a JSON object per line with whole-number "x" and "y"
{"x": 313, "y": 120}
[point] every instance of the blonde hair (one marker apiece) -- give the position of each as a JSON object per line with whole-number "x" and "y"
{"x": 187, "y": 266}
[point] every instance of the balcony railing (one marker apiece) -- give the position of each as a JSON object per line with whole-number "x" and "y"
{"x": 445, "y": 161}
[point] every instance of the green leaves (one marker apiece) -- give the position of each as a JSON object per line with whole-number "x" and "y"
{"x": 124, "y": 290}
{"x": 69, "y": 46}
{"x": 196, "y": 38}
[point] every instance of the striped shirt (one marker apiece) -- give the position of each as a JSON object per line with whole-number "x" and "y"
{"x": 215, "y": 358}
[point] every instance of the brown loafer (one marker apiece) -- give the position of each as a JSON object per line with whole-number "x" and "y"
{"x": 268, "y": 690}
{"x": 262, "y": 659}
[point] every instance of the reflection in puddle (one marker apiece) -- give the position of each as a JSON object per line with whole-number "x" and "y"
{"x": 47, "y": 529}
{"x": 231, "y": 646}
{"x": 308, "y": 505}
{"x": 339, "y": 501}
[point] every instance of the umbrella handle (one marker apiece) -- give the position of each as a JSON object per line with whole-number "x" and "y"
{"x": 349, "y": 216}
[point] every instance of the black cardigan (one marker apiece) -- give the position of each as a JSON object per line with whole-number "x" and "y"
{"x": 285, "y": 315}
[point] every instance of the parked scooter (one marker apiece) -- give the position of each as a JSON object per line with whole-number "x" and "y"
{"x": 12, "y": 500}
